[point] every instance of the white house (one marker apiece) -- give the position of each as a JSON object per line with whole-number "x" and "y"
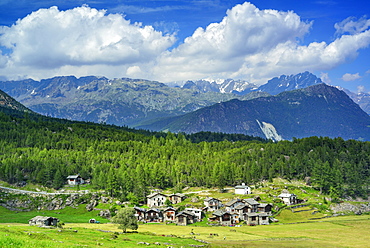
{"x": 288, "y": 199}
{"x": 156, "y": 200}
{"x": 242, "y": 189}
{"x": 75, "y": 179}
{"x": 212, "y": 204}
{"x": 196, "y": 212}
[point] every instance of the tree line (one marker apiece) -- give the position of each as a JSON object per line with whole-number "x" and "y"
{"x": 128, "y": 163}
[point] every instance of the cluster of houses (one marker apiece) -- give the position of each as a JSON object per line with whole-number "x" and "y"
{"x": 232, "y": 213}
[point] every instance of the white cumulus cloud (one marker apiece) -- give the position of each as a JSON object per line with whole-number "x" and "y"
{"x": 49, "y": 38}
{"x": 248, "y": 43}
{"x": 256, "y": 45}
{"x": 350, "y": 77}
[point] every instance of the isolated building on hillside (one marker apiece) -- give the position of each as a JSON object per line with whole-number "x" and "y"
{"x": 156, "y": 200}
{"x": 43, "y": 221}
{"x": 288, "y": 199}
{"x": 75, "y": 180}
{"x": 242, "y": 189}
{"x": 212, "y": 204}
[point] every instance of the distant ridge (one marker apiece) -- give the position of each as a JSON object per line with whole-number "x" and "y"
{"x": 318, "y": 110}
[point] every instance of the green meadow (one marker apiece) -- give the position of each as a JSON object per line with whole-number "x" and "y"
{"x": 294, "y": 230}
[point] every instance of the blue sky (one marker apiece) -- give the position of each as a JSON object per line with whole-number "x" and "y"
{"x": 187, "y": 40}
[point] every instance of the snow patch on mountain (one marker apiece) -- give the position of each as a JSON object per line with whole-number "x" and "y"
{"x": 269, "y": 131}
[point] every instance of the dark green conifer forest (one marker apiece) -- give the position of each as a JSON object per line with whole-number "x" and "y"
{"x": 127, "y": 163}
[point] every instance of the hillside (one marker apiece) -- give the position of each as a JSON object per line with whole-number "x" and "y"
{"x": 318, "y": 110}
{"x": 128, "y": 163}
{"x": 7, "y": 101}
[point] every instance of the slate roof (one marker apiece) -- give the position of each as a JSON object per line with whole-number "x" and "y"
{"x": 185, "y": 213}
{"x": 154, "y": 194}
{"x": 233, "y": 201}
{"x": 251, "y": 201}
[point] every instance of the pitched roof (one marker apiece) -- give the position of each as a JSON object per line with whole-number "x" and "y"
{"x": 208, "y": 199}
{"x": 154, "y": 210}
{"x": 40, "y": 218}
{"x": 251, "y": 201}
{"x": 233, "y": 201}
{"x": 154, "y": 194}
{"x": 241, "y": 187}
{"x": 286, "y": 195}
{"x": 263, "y": 205}
{"x": 169, "y": 208}
{"x": 140, "y": 209}
{"x": 240, "y": 207}
{"x": 220, "y": 212}
{"x": 185, "y": 213}
{"x": 73, "y": 176}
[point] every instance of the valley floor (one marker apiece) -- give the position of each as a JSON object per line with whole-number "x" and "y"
{"x": 343, "y": 231}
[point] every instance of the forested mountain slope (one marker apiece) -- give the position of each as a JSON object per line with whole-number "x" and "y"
{"x": 127, "y": 164}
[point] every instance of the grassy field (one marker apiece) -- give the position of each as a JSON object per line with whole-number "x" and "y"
{"x": 343, "y": 231}
{"x": 66, "y": 215}
{"x": 299, "y": 227}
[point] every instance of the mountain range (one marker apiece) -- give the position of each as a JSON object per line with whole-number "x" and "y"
{"x": 156, "y": 106}
{"x": 119, "y": 101}
{"x": 318, "y": 110}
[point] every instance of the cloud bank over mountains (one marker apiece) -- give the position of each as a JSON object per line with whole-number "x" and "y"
{"x": 248, "y": 43}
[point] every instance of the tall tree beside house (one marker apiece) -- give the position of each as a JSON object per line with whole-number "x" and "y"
{"x": 126, "y": 219}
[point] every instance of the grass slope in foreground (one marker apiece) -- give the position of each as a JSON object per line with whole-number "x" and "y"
{"x": 344, "y": 231}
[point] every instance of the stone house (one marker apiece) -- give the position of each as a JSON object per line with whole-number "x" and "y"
{"x": 231, "y": 205}
{"x": 176, "y": 198}
{"x": 263, "y": 219}
{"x": 43, "y": 221}
{"x": 153, "y": 215}
{"x": 265, "y": 208}
{"x": 242, "y": 210}
{"x": 242, "y": 189}
{"x": 184, "y": 218}
{"x": 222, "y": 217}
{"x": 75, "y": 180}
{"x": 212, "y": 204}
{"x": 252, "y": 219}
{"x": 252, "y": 204}
{"x": 156, "y": 200}
{"x": 140, "y": 213}
{"x": 169, "y": 214}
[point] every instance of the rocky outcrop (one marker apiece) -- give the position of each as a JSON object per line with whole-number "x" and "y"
{"x": 351, "y": 208}
{"x": 22, "y": 201}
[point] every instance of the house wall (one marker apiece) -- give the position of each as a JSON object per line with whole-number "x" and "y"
{"x": 157, "y": 201}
